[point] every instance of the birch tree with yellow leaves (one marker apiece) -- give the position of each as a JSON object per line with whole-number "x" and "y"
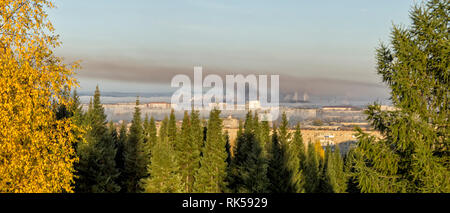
{"x": 36, "y": 148}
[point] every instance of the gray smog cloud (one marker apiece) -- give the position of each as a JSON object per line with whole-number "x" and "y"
{"x": 147, "y": 73}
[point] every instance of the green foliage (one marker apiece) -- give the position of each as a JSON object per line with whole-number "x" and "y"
{"x": 249, "y": 125}
{"x": 120, "y": 155}
{"x": 284, "y": 134}
{"x": 96, "y": 169}
{"x": 278, "y": 174}
{"x": 312, "y": 170}
{"x": 413, "y": 155}
{"x": 144, "y": 147}
{"x": 188, "y": 151}
{"x": 172, "y": 128}
{"x": 150, "y": 130}
{"x": 228, "y": 148}
{"x": 133, "y": 153}
{"x": 296, "y": 159}
{"x": 240, "y": 128}
{"x": 265, "y": 138}
{"x": 211, "y": 175}
{"x": 76, "y": 109}
{"x": 197, "y": 133}
{"x": 163, "y": 171}
{"x": 248, "y": 170}
{"x": 163, "y": 130}
{"x": 334, "y": 176}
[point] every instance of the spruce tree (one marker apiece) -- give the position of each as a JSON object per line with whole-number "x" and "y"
{"x": 258, "y": 132}
{"x": 143, "y": 150}
{"x": 133, "y": 170}
{"x": 211, "y": 175}
{"x": 112, "y": 131}
{"x": 228, "y": 148}
{"x": 197, "y": 133}
{"x": 265, "y": 137}
{"x": 325, "y": 186}
{"x": 284, "y": 134}
{"x": 240, "y": 128}
{"x": 349, "y": 169}
{"x": 188, "y": 152}
{"x": 296, "y": 160}
{"x": 278, "y": 173}
{"x": 335, "y": 178}
{"x": 152, "y": 136}
{"x": 312, "y": 170}
{"x": 120, "y": 160}
{"x": 78, "y": 118}
{"x": 249, "y": 123}
{"x": 76, "y": 109}
{"x": 97, "y": 168}
{"x": 248, "y": 168}
{"x": 150, "y": 132}
{"x": 146, "y": 126}
{"x": 163, "y": 136}
{"x": 172, "y": 128}
{"x": 163, "y": 171}
{"x": 413, "y": 154}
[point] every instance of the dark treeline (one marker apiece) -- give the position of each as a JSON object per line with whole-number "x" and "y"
{"x": 411, "y": 156}
{"x": 198, "y": 156}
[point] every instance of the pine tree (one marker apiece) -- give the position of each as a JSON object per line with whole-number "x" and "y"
{"x": 78, "y": 118}
{"x": 278, "y": 173}
{"x": 163, "y": 171}
{"x": 296, "y": 160}
{"x": 265, "y": 137}
{"x": 249, "y": 123}
{"x": 349, "y": 169}
{"x": 188, "y": 152}
{"x": 133, "y": 169}
{"x": 256, "y": 124}
{"x": 284, "y": 134}
{"x": 163, "y": 133}
{"x": 112, "y": 132}
{"x": 312, "y": 170}
{"x": 240, "y": 128}
{"x": 211, "y": 175}
{"x": 413, "y": 154}
{"x": 248, "y": 172}
{"x": 334, "y": 176}
{"x": 150, "y": 139}
{"x": 172, "y": 128}
{"x": 76, "y": 109}
{"x": 228, "y": 148}
{"x": 257, "y": 130}
{"x": 144, "y": 146}
{"x": 97, "y": 167}
{"x": 120, "y": 160}
{"x": 152, "y": 136}
{"x": 197, "y": 133}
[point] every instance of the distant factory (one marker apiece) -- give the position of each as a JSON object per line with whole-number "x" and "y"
{"x": 296, "y": 99}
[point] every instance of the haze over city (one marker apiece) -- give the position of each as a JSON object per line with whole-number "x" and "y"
{"x": 323, "y": 48}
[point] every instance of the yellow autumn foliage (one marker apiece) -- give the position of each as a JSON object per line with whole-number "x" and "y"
{"x": 36, "y": 149}
{"x": 319, "y": 149}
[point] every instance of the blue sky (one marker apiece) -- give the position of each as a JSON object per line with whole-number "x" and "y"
{"x": 137, "y": 45}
